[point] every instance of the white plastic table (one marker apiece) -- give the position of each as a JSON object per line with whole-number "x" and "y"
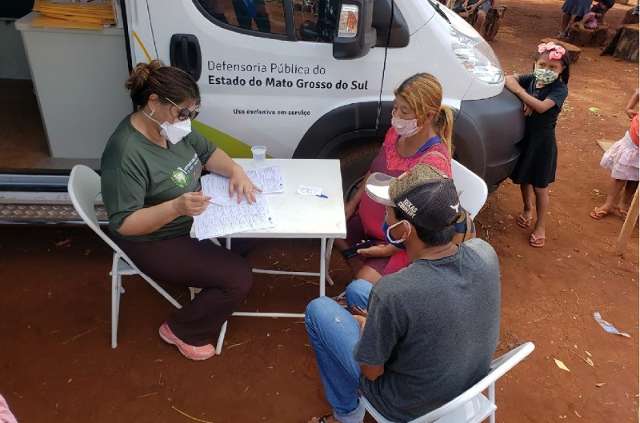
{"x": 302, "y": 216}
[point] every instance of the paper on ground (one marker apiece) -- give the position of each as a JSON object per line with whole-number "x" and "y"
{"x": 561, "y": 365}
{"x": 269, "y": 180}
{"x": 608, "y": 327}
{"x": 219, "y": 221}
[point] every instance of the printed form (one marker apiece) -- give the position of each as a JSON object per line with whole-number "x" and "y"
{"x": 226, "y": 216}
{"x": 269, "y": 180}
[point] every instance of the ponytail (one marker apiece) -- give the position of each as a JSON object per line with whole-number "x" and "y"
{"x": 167, "y": 82}
{"x": 444, "y": 127}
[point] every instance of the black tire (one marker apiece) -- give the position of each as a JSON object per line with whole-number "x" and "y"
{"x": 355, "y": 161}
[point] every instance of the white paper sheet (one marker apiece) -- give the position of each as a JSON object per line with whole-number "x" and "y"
{"x": 268, "y": 179}
{"x": 218, "y": 221}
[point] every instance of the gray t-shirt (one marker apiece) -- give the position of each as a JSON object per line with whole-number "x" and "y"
{"x": 434, "y": 326}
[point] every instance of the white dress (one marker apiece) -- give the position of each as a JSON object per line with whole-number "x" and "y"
{"x": 622, "y": 159}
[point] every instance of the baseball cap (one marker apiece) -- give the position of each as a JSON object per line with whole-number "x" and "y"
{"x": 427, "y": 197}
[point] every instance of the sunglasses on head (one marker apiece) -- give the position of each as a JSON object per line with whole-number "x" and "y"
{"x": 185, "y": 113}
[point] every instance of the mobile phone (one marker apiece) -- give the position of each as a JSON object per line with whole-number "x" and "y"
{"x": 353, "y": 251}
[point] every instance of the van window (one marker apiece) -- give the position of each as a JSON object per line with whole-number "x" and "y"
{"x": 315, "y": 20}
{"x": 263, "y": 16}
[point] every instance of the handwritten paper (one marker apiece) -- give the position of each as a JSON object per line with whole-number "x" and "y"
{"x": 269, "y": 180}
{"x": 219, "y": 221}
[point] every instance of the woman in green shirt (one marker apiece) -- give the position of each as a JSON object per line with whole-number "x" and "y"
{"x": 151, "y": 168}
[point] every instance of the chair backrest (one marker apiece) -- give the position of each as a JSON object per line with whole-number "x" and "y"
{"x": 84, "y": 188}
{"x": 499, "y": 367}
{"x": 471, "y": 188}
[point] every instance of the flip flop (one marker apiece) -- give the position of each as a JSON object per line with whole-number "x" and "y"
{"x": 535, "y": 241}
{"x": 597, "y": 213}
{"x": 523, "y": 222}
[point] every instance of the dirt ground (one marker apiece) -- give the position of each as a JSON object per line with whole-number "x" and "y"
{"x": 56, "y": 364}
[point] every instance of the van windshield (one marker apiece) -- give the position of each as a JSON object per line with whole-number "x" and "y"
{"x": 436, "y": 5}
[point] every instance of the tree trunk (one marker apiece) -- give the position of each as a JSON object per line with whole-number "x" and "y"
{"x": 585, "y": 37}
{"x": 629, "y": 17}
{"x": 624, "y": 44}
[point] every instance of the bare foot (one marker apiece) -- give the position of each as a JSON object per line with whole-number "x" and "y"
{"x": 621, "y": 211}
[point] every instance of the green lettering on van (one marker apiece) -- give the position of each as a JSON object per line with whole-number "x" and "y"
{"x": 232, "y": 146}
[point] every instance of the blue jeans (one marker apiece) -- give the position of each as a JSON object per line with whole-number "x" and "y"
{"x": 334, "y": 334}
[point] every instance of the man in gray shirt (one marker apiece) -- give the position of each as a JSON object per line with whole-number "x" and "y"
{"x": 423, "y": 335}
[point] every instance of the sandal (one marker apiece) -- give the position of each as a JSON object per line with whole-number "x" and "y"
{"x": 597, "y": 213}
{"x": 323, "y": 419}
{"x": 536, "y": 241}
{"x": 523, "y": 221}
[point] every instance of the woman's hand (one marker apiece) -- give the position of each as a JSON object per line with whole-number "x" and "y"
{"x": 385, "y": 250}
{"x": 241, "y": 185}
{"x": 190, "y": 203}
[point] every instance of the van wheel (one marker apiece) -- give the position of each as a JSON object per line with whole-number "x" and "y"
{"x": 354, "y": 164}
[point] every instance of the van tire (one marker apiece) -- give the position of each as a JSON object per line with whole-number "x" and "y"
{"x": 355, "y": 161}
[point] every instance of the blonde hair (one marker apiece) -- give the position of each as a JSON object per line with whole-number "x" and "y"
{"x": 423, "y": 93}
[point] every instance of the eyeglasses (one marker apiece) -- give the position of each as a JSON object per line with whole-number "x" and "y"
{"x": 185, "y": 113}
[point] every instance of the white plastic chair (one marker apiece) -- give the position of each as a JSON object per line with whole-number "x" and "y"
{"x": 84, "y": 188}
{"x": 471, "y": 406}
{"x": 472, "y": 189}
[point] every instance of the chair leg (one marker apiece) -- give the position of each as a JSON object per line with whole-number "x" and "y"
{"x": 193, "y": 292}
{"x": 223, "y": 332}
{"x": 116, "y": 286}
{"x": 328, "y": 258}
{"x": 492, "y": 398}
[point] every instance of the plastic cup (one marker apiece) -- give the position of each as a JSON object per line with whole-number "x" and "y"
{"x": 259, "y": 153}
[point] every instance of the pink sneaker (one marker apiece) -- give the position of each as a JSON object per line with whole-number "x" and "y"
{"x": 190, "y": 351}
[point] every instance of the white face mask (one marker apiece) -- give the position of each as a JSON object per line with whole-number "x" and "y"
{"x": 405, "y": 127}
{"x": 172, "y": 132}
{"x": 175, "y": 132}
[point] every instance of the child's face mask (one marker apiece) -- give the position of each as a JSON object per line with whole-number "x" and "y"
{"x": 545, "y": 76}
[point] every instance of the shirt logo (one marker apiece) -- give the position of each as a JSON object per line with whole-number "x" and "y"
{"x": 180, "y": 178}
{"x": 183, "y": 176}
{"x": 408, "y": 207}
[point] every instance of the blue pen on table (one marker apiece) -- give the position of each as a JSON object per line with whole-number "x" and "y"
{"x": 321, "y": 196}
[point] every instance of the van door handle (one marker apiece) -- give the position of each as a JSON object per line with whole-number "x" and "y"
{"x": 184, "y": 53}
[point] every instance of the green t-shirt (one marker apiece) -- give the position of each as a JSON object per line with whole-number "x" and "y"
{"x": 137, "y": 173}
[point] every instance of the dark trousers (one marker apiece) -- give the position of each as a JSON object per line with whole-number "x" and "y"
{"x": 224, "y": 276}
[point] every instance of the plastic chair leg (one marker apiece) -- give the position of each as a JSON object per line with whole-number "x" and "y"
{"x": 223, "y": 332}
{"x": 492, "y": 398}
{"x": 115, "y": 306}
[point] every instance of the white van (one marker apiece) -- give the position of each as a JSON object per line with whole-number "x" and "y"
{"x": 315, "y": 78}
